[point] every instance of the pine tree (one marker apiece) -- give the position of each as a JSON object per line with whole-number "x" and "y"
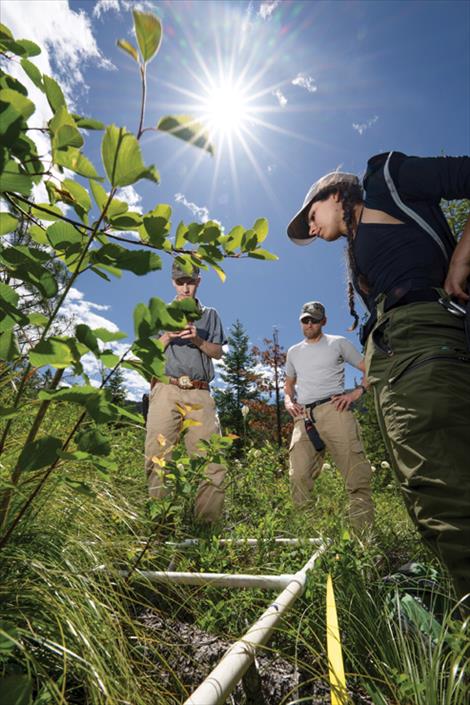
{"x": 116, "y": 389}
{"x": 241, "y": 381}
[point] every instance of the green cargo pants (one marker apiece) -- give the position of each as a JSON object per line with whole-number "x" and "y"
{"x": 418, "y": 366}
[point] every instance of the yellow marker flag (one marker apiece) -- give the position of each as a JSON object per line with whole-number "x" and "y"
{"x": 339, "y": 694}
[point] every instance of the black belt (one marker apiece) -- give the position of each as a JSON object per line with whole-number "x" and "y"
{"x": 412, "y": 297}
{"x": 317, "y": 403}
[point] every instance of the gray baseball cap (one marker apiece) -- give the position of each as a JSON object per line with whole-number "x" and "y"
{"x": 178, "y": 273}
{"x": 298, "y": 227}
{"x": 314, "y": 309}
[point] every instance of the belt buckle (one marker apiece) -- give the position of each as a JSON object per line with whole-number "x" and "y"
{"x": 184, "y": 382}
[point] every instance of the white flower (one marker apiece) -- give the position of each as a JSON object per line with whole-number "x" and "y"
{"x": 385, "y": 465}
{"x": 373, "y": 468}
{"x": 245, "y": 410}
{"x": 326, "y": 466}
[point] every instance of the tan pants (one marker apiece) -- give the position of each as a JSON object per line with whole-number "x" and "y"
{"x": 340, "y": 433}
{"x": 163, "y": 431}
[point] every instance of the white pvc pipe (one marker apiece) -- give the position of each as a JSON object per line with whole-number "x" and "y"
{"x": 266, "y": 582}
{"x": 248, "y": 542}
{"x": 224, "y": 677}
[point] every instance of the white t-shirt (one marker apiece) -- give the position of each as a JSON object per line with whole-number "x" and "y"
{"x": 319, "y": 367}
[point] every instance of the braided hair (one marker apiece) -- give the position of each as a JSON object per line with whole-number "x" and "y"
{"x": 350, "y": 196}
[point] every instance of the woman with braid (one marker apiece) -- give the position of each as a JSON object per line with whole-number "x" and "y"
{"x": 413, "y": 278}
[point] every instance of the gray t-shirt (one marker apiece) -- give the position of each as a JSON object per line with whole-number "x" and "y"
{"x": 184, "y": 358}
{"x": 319, "y": 367}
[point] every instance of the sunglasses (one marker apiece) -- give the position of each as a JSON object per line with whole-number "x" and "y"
{"x": 308, "y": 319}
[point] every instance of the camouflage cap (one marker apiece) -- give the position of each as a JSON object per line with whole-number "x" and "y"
{"x": 178, "y": 273}
{"x": 314, "y": 309}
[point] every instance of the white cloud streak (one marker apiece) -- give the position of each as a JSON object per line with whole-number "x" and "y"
{"x": 281, "y": 98}
{"x": 302, "y": 80}
{"x": 361, "y": 127}
{"x": 103, "y": 6}
{"x": 267, "y": 8}
{"x": 199, "y": 212}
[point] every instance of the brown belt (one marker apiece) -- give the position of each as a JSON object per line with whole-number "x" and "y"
{"x": 183, "y": 382}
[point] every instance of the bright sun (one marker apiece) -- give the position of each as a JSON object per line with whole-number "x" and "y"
{"x": 225, "y": 109}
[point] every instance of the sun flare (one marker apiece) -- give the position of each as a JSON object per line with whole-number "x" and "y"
{"x": 225, "y": 108}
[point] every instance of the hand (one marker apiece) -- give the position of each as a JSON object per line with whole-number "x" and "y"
{"x": 294, "y": 409}
{"x": 342, "y": 402}
{"x": 190, "y": 333}
{"x": 456, "y": 280}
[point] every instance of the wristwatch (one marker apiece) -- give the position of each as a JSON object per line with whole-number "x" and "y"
{"x": 361, "y": 386}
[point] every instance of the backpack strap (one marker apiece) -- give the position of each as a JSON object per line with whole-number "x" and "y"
{"x": 409, "y": 211}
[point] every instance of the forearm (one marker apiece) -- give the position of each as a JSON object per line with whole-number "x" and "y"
{"x": 213, "y": 350}
{"x": 289, "y": 392}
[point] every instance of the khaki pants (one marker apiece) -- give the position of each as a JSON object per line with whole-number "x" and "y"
{"x": 418, "y": 366}
{"x": 165, "y": 420}
{"x": 340, "y": 432}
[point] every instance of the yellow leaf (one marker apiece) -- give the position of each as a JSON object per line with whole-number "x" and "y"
{"x": 161, "y": 439}
{"x": 187, "y": 423}
{"x": 159, "y": 461}
{"x": 338, "y": 692}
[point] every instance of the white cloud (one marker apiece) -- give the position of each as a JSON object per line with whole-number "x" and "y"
{"x": 131, "y": 197}
{"x": 103, "y": 6}
{"x": 267, "y": 8}
{"x": 77, "y": 309}
{"x": 282, "y": 100}
{"x": 304, "y": 81}
{"x": 199, "y": 212}
{"x": 271, "y": 168}
{"x": 361, "y": 127}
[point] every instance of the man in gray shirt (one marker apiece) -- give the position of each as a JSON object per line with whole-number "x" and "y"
{"x": 189, "y": 354}
{"x": 315, "y": 398}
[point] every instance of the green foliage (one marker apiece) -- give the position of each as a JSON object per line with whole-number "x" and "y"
{"x": 47, "y": 261}
{"x": 240, "y": 381}
{"x": 187, "y": 129}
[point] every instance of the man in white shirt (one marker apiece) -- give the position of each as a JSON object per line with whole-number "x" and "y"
{"x": 315, "y": 398}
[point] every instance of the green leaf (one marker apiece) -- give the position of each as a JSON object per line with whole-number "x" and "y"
{"x": 16, "y": 689}
{"x": 122, "y": 158}
{"x": 128, "y": 48}
{"x": 64, "y": 236}
{"x": 53, "y": 351}
{"x": 234, "y": 238}
{"x": 22, "y": 105}
{"x": 15, "y": 180}
{"x": 157, "y": 225}
{"x": 126, "y": 221}
{"x": 64, "y": 130}
{"x": 108, "y": 335}
{"x": 54, "y": 93}
{"x": 38, "y": 319}
{"x": 29, "y": 47}
{"x": 186, "y": 128}
{"x": 148, "y": 30}
{"x": 79, "y": 194}
{"x": 39, "y": 454}
{"x": 93, "y": 441}
{"x": 116, "y": 207}
{"x": 261, "y": 228}
{"x": 33, "y": 73}
{"x": 152, "y": 356}
{"x": 259, "y": 253}
{"x": 87, "y": 337}
{"x": 99, "y": 194}
{"x": 109, "y": 359}
{"x": 87, "y": 123}
{"x": 43, "y": 215}
{"x": 8, "y": 223}
{"x": 24, "y": 263}
{"x": 180, "y": 237}
{"x": 79, "y": 488}
{"x": 8, "y": 346}
{"x": 143, "y": 321}
{"x": 137, "y": 261}
{"x": 5, "y": 33}
{"x": 72, "y": 158}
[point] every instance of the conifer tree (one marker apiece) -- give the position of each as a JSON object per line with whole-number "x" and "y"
{"x": 240, "y": 378}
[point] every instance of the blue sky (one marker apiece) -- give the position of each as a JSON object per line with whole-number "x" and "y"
{"x": 329, "y": 84}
